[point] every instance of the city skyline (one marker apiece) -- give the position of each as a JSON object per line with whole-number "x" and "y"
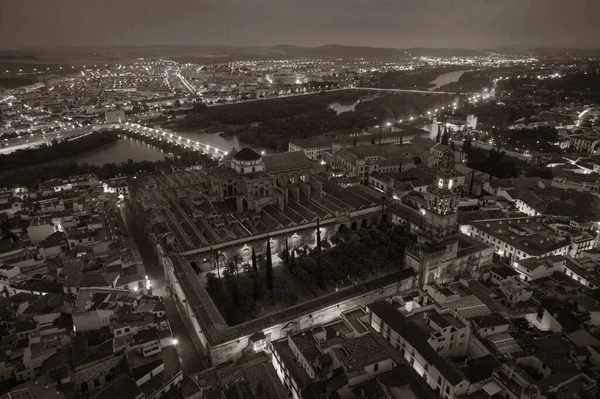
{"x": 399, "y": 24}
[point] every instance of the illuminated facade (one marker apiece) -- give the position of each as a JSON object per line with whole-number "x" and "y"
{"x": 436, "y": 256}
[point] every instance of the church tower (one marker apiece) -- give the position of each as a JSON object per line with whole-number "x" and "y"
{"x": 437, "y": 242}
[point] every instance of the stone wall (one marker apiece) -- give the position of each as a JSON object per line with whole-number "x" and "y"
{"x": 232, "y": 350}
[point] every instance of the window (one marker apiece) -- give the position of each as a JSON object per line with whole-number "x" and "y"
{"x": 376, "y": 367}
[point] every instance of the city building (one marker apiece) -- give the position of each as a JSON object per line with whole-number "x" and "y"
{"x": 518, "y": 238}
{"x": 315, "y": 148}
{"x": 362, "y": 161}
{"x": 232, "y": 208}
{"x": 441, "y": 252}
{"x": 427, "y": 340}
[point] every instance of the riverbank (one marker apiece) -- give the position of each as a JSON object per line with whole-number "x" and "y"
{"x": 61, "y": 168}
{"x": 56, "y": 150}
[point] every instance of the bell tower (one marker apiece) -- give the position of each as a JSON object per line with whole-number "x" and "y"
{"x": 437, "y": 239}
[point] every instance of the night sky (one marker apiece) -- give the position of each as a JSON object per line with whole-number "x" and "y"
{"x": 384, "y": 23}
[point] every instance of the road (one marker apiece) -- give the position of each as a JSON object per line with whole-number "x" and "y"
{"x": 28, "y": 141}
{"x": 191, "y": 361}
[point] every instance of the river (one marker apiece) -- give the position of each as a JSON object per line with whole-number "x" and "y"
{"x": 116, "y": 152}
{"x": 446, "y": 78}
{"x": 137, "y": 150}
{"x": 339, "y": 108}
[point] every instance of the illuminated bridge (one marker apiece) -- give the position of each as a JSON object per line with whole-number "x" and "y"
{"x": 170, "y": 137}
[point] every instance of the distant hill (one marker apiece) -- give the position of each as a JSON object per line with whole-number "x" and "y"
{"x": 549, "y": 52}
{"x": 210, "y": 54}
{"x": 444, "y": 52}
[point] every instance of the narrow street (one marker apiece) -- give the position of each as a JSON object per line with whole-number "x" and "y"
{"x": 191, "y": 361}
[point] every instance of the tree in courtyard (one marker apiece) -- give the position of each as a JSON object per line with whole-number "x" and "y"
{"x": 445, "y": 136}
{"x": 218, "y": 259}
{"x": 235, "y": 293}
{"x": 269, "y": 273}
{"x": 212, "y": 283}
{"x": 292, "y": 260}
{"x": 234, "y": 263}
{"x": 286, "y": 254}
{"x": 255, "y": 287}
{"x": 320, "y": 282}
{"x": 254, "y": 262}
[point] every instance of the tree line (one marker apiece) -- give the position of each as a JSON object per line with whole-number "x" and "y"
{"x": 273, "y": 123}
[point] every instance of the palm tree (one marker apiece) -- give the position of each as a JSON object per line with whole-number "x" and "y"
{"x": 292, "y": 260}
{"x": 218, "y": 258}
{"x": 254, "y": 261}
{"x": 269, "y": 272}
{"x": 234, "y": 263}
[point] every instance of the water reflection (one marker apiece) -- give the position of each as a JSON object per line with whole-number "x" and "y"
{"x": 339, "y": 108}
{"x": 446, "y": 78}
{"x": 116, "y": 152}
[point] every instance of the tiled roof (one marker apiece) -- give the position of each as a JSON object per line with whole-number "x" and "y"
{"x": 416, "y": 338}
{"x": 246, "y": 154}
{"x": 286, "y": 161}
{"x": 121, "y": 387}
